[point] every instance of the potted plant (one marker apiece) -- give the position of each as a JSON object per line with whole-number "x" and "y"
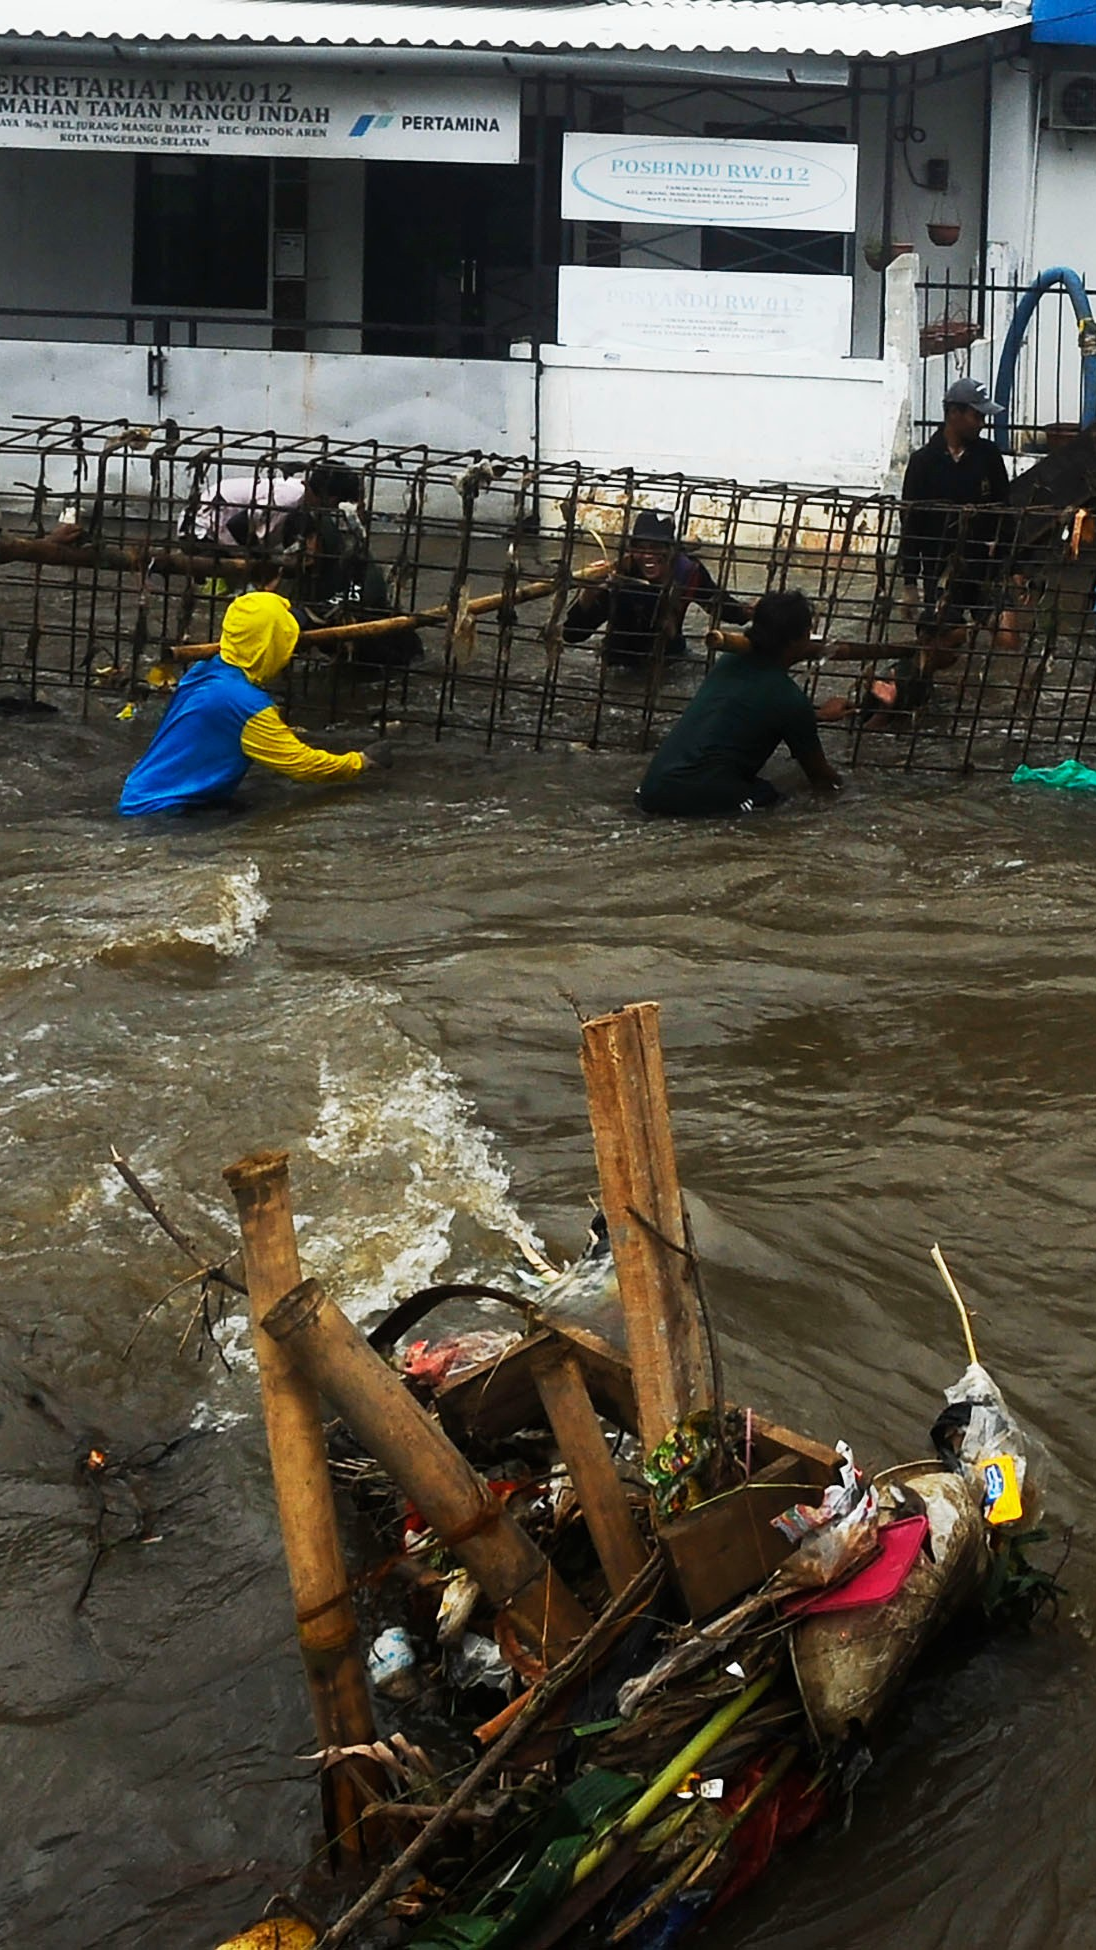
{"x": 1060, "y": 432}
{"x": 944, "y": 234}
{"x": 947, "y": 334}
{"x": 877, "y": 254}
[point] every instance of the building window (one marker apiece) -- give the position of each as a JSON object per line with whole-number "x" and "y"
{"x": 767, "y": 249}
{"x": 202, "y": 232}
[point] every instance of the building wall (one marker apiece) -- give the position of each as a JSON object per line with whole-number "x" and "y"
{"x": 944, "y": 118}
{"x": 449, "y": 404}
{"x": 837, "y": 422}
{"x": 1040, "y": 195}
{"x": 843, "y": 422}
{"x": 1061, "y": 218}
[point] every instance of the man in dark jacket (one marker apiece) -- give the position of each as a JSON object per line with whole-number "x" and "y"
{"x": 953, "y": 492}
{"x": 953, "y": 532}
{"x": 337, "y": 578}
{"x": 644, "y": 603}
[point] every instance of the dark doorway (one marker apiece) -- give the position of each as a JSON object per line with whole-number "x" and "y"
{"x": 201, "y": 232}
{"x": 452, "y": 267}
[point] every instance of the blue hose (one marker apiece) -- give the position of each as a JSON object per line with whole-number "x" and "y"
{"x": 1014, "y": 338}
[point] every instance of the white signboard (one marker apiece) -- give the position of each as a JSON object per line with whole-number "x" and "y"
{"x": 687, "y": 179}
{"x": 705, "y": 311}
{"x": 251, "y": 112}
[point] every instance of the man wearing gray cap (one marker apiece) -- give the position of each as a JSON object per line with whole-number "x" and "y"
{"x": 955, "y": 470}
{"x": 954, "y": 496}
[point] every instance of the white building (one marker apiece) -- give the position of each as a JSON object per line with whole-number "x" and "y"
{"x": 517, "y": 228}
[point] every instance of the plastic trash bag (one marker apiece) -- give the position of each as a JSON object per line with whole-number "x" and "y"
{"x": 391, "y": 1664}
{"x": 1005, "y": 1468}
{"x": 676, "y": 1468}
{"x": 588, "y": 1292}
{"x": 433, "y": 1362}
{"x": 458, "y": 1601}
{"x": 1069, "y": 776}
{"x": 834, "y": 1536}
{"x": 477, "y": 1661}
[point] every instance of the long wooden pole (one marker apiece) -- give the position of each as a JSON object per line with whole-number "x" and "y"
{"x": 413, "y": 1449}
{"x": 327, "y": 1628}
{"x": 417, "y": 619}
{"x": 641, "y": 1199}
{"x": 601, "y": 1494}
{"x": 111, "y": 555}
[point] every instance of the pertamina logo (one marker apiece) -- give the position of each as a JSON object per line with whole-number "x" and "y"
{"x": 366, "y": 122}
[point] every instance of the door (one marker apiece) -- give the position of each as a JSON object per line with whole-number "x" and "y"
{"x": 450, "y": 261}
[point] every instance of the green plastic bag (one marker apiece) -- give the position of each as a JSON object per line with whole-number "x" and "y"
{"x": 1069, "y": 776}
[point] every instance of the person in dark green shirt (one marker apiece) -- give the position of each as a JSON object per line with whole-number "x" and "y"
{"x": 707, "y": 767}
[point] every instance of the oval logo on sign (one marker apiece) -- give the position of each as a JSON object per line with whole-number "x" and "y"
{"x": 731, "y": 182}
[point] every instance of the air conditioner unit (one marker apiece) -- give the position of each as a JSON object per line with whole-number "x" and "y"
{"x": 1073, "y": 103}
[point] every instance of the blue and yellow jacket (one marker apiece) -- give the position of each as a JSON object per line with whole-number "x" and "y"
{"x": 221, "y": 719}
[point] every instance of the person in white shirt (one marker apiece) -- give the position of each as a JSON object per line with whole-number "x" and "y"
{"x": 245, "y": 510}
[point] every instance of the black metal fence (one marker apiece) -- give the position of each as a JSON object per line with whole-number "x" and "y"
{"x": 962, "y": 328}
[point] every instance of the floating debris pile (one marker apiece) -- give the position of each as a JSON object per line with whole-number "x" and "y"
{"x": 625, "y": 1640}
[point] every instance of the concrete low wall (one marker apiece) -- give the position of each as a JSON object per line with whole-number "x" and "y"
{"x": 832, "y": 422}
{"x": 450, "y": 405}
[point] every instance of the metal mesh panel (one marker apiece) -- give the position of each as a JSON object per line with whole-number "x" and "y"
{"x": 109, "y": 561}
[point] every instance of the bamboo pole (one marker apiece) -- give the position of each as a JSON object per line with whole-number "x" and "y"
{"x": 418, "y": 619}
{"x": 414, "y": 1450}
{"x": 72, "y": 554}
{"x": 327, "y": 1629}
{"x": 941, "y": 1266}
{"x": 641, "y": 1199}
{"x": 727, "y": 639}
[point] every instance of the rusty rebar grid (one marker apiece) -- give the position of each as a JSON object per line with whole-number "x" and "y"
{"x": 115, "y": 551}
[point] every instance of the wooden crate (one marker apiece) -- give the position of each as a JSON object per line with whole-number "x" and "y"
{"x": 723, "y": 1549}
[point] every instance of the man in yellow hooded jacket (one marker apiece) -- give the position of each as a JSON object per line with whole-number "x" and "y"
{"x": 221, "y": 719}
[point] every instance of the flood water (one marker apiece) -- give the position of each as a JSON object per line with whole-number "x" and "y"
{"x": 879, "y": 1019}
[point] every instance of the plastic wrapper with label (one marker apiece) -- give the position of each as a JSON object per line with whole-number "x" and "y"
{"x": 1004, "y": 1466}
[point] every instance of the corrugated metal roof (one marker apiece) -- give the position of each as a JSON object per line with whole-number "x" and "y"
{"x": 657, "y": 26}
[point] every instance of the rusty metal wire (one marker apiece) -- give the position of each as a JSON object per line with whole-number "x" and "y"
{"x": 111, "y": 555}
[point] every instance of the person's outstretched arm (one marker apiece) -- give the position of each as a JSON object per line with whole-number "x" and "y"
{"x": 267, "y": 739}
{"x": 587, "y": 613}
{"x": 820, "y": 772}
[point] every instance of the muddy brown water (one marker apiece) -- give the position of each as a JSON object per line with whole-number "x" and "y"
{"x": 879, "y": 1019}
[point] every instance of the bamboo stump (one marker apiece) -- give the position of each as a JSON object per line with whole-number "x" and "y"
{"x": 327, "y": 1628}
{"x": 641, "y": 1199}
{"x": 309, "y": 1329}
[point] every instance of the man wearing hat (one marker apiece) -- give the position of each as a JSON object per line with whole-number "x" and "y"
{"x": 953, "y": 497}
{"x": 956, "y": 469}
{"x": 644, "y": 604}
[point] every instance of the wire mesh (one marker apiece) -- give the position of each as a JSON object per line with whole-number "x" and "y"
{"x": 121, "y": 546}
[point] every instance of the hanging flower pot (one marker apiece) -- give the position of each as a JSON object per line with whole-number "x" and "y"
{"x": 947, "y": 335}
{"x": 1060, "y": 432}
{"x": 944, "y": 234}
{"x": 878, "y": 255}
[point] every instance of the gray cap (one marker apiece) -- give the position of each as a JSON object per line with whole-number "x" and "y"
{"x": 971, "y": 392}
